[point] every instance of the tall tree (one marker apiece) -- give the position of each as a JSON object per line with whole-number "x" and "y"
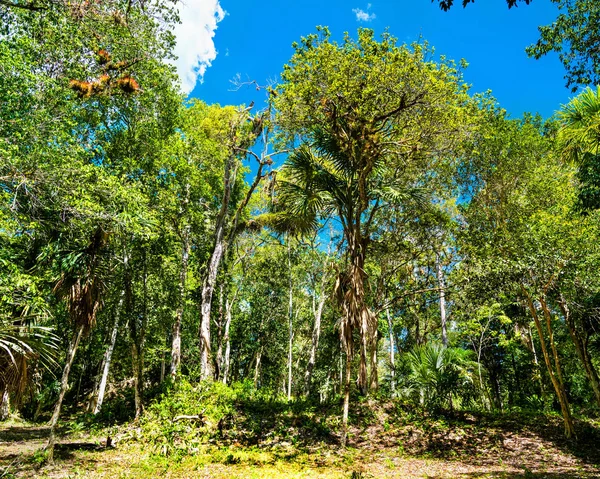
{"x": 355, "y": 107}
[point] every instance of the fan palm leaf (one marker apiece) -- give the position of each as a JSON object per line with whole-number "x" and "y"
{"x": 20, "y": 346}
{"x": 580, "y": 131}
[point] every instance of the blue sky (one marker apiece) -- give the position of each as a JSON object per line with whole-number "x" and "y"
{"x": 253, "y": 39}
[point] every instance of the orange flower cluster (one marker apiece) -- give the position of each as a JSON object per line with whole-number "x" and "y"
{"x": 126, "y": 83}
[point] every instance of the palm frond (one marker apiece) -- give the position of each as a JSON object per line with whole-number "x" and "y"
{"x": 580, "y": 131}
{"x": 21, "y": 345}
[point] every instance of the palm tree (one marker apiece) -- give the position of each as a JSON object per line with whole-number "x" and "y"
{"x": 580, "y": 126}
{"x": 579, "y": 141}
{"x": 81, "y": 286}
{"x": 324, "y": 179}
{"x": 437, "y": 372}
{"x": 373, "y": 119}
{"x": 20, "y": 346}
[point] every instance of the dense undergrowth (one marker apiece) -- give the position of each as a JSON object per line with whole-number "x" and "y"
{"x": 187, "y": 419}
{"x": 227, "y": 430}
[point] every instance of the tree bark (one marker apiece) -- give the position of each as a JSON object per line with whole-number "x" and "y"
{"x": 64, "y": 385}
{"x": 373, "y": 366}
{"x": 257, "y": 367}
{"x": 581, "y": 346}
{"x": 4, "y": 404}
{"x": 442, "y": 286}
{"x": 176, "y": 343}
{"x": 346, "y": 406}
{"x": 107, "y": 358}
{"x": 208, "y": 286}
{"x": 392, "y": 351}
{"x": 290, "y": 321}
{"x": 555, "y": 376}
{"x": 318, "y": 312}
{"x": 137, "y": 334}
{"x": 227, "y": 356}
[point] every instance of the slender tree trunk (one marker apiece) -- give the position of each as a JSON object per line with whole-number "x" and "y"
{"x": 136, "y": 361}
{"x": 257, "y": 367}
{"x": 226, "y": 357}
{"x": 555, "y": 376}
{"x": 392, "y": 351}
{"x": 346, "y": 407}
{"x": 4, "y": 404}
{"x": 364, "y": 347}
{"x": 536, "y": 363}
{"x": 582, "y": 350}
{"x": 64, "y": 385}
{"x": 208, "y": 286}
{"x": 137, "y": 333}
{"x": 373, "y": 366}
{"x": 290, "y": 321}
{"x": 318, "y": 312}
{"x": 220, "y": 339}
{"x": 442, "y": 287}
{"x": 176, "y": 343}
{"x": 107, "y": 358}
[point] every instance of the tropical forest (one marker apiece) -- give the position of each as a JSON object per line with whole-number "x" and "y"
{"x": 365, "y": 267}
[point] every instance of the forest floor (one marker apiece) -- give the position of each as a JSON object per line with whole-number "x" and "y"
{"x": 462, "y": 445}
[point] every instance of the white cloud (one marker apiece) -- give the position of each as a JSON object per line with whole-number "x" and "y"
{"x": 362, "y": 16}
{"x": 195, "y": 47}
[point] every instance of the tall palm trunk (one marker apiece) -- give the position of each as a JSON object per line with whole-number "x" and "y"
{"x": 350, "y": 295}
{"x": 346, "y": 407}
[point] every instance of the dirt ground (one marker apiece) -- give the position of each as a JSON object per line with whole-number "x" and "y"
{"x": 466, "y": 447}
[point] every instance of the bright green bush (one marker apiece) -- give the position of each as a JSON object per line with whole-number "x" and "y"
{"x": 186, "y": 416}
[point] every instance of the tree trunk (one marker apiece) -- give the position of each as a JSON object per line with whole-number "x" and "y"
{"x": 442, "y": 286}
{"x": 107, "y": 358}
{"x": 226, "y": 357}
{"x": 220, "y": 327}
{"x": 4, "y": 404}
{"x": 392, "y": 351}
{"x": 64, "y": 385}
{"x": 290, "y": 321}
{"x": 257, "y": 367}
{"x": 208, "y": 286}
{"x": 555, "y": 376}
{"x": 373, "y": 366}
{"x": 137, "y": 334}
{"x": 536, "y": 363}
{"x": 176, "y": 344}
{"x": 346, "y": 398}
{"x": 318, "y": 312}
{"x": 581, "y": 346}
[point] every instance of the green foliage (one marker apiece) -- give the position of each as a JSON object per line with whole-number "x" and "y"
{"x": 574, "y": 36}
{"x": 185, "y": 416}
{"x": 438, "y": 373}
